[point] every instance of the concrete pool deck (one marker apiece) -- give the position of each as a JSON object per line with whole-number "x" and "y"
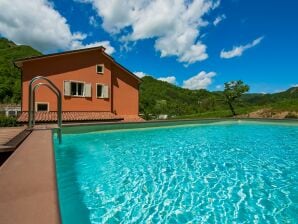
{"x": 28, "y": 189}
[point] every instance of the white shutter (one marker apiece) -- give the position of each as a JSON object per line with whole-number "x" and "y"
{"x": 66, "y": 88}
{"x": 87, "y": 91}
{"x": 105, "y": 92}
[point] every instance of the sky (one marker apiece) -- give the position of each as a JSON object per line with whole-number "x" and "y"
{"x": 195, "y": 44}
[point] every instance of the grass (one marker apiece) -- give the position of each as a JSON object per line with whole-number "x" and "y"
{"x": 220, "y": 113}
{"x": 212, "y": 114}
{"x": 285, "y": 105}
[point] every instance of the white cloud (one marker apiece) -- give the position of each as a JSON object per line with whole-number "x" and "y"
{"x": 93, "y": 22}
{"x": 38, "y": 24}
{"x": 169, "y": 79}
{"x": 238, "y": 51}
{"x": 140, "y": 74}
{"x": 279, "y": 90}
{"x": 106, "y": 44}
{"x": 199, "y": 81}
{"x": 218, "y": 87}
{"x": 219, "y": 19}
{"x": 35, "y": 23}
{"x": 196, "y": 52}
{"x": 295, "y": 85}
{"x": 174, "y": 24}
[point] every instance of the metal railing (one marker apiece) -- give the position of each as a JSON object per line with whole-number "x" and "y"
{"x": 31, "y": 110}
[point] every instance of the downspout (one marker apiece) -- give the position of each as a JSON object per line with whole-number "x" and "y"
{"x": 21, "y": 70}
{"x": 112, "y": 89}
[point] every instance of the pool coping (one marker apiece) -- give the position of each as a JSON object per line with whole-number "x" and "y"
{"x": 79, "y": 128}
{"x": 179, "y": 120}
{"x": 28, "y": 188}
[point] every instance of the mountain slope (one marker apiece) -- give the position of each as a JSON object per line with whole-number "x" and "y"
{"x": 158, "y": 97}
{"x": 10, "y": 76}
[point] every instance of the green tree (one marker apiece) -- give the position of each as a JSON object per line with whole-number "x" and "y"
{"x": 207, "y": 104}
{"x": 161, "y": 107}
{"x": 10, "y": 76}
{"x": 233, "y": 91}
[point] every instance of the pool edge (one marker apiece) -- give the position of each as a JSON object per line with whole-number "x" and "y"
{"x": 28, "y": 183}
{"x": 80, "y": 128}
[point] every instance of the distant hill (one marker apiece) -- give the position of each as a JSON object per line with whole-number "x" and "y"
{"x": 10, "y": 76}
{"x": 286, "y": 100}
{"x": 159, "y": 97}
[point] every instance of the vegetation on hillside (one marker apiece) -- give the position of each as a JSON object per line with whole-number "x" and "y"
{"x": 158, "y": 97}
{"x": 10, "y": 76}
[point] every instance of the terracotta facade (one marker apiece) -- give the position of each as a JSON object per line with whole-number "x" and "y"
{"x": 80, "y": 66}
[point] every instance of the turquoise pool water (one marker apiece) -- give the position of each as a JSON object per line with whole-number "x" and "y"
{"x": 226, "y": 172}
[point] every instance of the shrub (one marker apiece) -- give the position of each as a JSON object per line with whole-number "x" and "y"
{"x": 146, "y": 116}
{"x": 8, "y": 121}
{"x": 291, "y": 115}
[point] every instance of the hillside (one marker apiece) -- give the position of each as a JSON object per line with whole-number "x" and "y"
{"x": 10, "y": 76}
{"x": 286, "y": 100}
{"x": 158, "y": 97}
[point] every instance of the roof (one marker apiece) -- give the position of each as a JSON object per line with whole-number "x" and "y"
{"x": 9, "y": 106}
{"x": 19, "y": 62}
{"x": 121, "y": 66}
{"x": 71, "y": 116}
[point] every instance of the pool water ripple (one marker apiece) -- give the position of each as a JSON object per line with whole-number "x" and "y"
{"x": 241, "y": 173}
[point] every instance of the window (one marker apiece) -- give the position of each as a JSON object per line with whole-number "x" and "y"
{"x": 77, "y": 88}
{"x": 41, "y": 107}
{"x": 102, "y": 91}
{"x": 99, "y": 91}
{"x": 12, "y": 113}
{"x": 99, "y": 69}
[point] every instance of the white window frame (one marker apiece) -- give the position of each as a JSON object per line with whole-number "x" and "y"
{"x": 72, "y": 81}
{"x": 37, "y": 103}
{"x": 102, "y": 66}
{"x": 87, "y": 89}
{"x": 103, "y": 85}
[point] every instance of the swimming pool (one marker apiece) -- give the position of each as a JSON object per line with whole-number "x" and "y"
{"x": 224, "y": 172}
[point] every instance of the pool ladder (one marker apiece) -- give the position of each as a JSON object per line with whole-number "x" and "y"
{"x": 31, "y": 110}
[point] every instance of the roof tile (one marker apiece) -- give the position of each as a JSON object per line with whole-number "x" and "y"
{"x": 70, "y": 116}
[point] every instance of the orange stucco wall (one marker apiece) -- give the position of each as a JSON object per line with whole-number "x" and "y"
{"x": 125, "y": 93}
{"x": 81, "y": 66}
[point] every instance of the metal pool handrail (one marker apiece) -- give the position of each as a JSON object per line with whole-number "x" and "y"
{"x": 31, "y": 111}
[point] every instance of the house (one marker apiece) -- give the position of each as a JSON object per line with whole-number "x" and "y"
{"x": 10, "y": 110}
{"x": 93, "y": 87}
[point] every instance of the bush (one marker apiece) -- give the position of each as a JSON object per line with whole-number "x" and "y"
{"x": 147, "y": 116}
{"x": 8, "y": 121}
{"x": 291, "y": 115}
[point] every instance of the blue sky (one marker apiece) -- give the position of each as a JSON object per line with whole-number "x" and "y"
{"x": 193, "y": 44}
